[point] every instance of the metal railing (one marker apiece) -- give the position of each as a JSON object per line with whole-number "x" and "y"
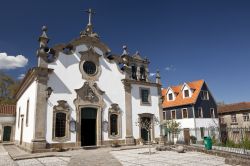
{"x": 235, "y": 140}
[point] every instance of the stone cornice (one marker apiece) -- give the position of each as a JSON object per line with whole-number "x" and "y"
{"x": 89, "y": 41}
{"x": 127, "y": 82}
{"x": 36, "y": 73}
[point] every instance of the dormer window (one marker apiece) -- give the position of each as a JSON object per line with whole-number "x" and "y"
{"x": 170, "y": 96}
{"x": 186, "y": 93}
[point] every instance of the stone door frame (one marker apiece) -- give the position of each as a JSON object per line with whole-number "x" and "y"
{"x": 152, "y": 131}
{"x": 98, "y": 124}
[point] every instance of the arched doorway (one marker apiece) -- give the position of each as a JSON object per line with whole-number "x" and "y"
{"x": 88, "y": 126}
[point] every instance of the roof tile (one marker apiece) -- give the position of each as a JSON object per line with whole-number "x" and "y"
{"x": 179, "y": 100}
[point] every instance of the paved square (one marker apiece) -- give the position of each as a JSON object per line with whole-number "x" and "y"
{"x": 166, "y": 158}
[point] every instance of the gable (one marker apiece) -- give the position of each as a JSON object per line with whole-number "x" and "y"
{"x": 194, "y": 86}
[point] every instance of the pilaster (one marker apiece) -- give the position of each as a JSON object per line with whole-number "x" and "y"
{"x": 39, "y": 137}
{"x": 128, "y": 113}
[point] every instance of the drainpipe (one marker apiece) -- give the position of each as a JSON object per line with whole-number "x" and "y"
{"x": 194, "y": 122}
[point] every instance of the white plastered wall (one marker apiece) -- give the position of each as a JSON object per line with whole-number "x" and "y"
{"x": 28, "y": 131}
{"x": 137, "y": 108}
{"x": 66, "y": 77}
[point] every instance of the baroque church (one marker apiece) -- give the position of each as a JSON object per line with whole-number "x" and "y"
{"x": 81, "y": 94}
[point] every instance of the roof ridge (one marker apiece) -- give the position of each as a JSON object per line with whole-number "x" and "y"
{"x": 230, "y": 104}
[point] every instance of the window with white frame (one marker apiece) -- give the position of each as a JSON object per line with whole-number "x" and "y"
{"x": 145, "y": 95}
{"x": 170, "y": 96}
{"x": 164, "y": 115}
{"x": 186, "y": 93}
{"x": 200, "y": 112}
{"x": 184, "y": 113}
{"x": 173, "y": 114}
{"x": 212, "y": 112}
{"x": 204, "y": 95}
{"x": 246, "y": 117}
{"x": 233, "y": 118}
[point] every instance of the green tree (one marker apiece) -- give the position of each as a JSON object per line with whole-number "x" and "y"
{"x": 172, "y": 128}
{"x": 8, "y": 88}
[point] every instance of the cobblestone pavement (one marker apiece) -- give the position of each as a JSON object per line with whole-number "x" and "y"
{"x": 93, "y": 157}
{"x": 6, "y": 160}
{"x": 137, "y": 157}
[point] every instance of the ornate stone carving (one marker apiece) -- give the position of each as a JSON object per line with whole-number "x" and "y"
{"x": 62, "y": 105}
{"x": 92, "y": 56}
{"x": 89, "y": 93}
{"x": 114, "y": 109}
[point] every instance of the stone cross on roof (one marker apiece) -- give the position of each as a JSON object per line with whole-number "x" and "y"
{"x": 91, "y": 13}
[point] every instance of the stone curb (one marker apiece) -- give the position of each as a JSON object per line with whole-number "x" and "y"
{"x": 24, "y": 157}
{"x": 230, "y": 158}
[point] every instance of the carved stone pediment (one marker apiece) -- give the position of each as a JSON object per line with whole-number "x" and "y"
{"x": 114, "y": 108}
{"x": 89, "y": 94}
{"x": 62, "y": 105}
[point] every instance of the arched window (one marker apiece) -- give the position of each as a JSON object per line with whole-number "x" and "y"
{"x": 142, "y": 73}
{"x": 61, "y": 119}
{"x": 60, "y": 124}
{"x": 113, "y": 124}
{"x": 134, "y": 70}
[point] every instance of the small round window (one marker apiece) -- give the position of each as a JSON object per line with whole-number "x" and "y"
{"x": 89, "y": 67}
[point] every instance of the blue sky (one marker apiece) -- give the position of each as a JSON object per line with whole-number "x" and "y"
{"x": 185, "y": 39}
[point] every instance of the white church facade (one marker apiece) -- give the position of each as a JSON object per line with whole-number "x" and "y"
{"x": 82, "y": 95}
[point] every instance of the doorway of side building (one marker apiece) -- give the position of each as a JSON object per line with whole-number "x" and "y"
{"x": 186, "y": 136}
{"x": 6, "y": 133}
{"x": 21, "y": 134}
{"x": 88, "y": 126}
{"x": 145, "y": 135}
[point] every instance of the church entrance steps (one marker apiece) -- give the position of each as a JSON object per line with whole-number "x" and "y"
{"x": 19, "y": 154}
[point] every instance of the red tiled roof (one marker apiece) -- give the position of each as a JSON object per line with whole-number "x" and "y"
{"x": 179, "y": 100}
{"x": 7, "y": 109}
{"x": 234, "y": 107}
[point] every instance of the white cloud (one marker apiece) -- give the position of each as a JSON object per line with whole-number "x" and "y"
{"x": 12, "y": 62}
{"x": 170, "y": 68}
{"x": 152, "y": 74}
{"x": 21, "y": 76}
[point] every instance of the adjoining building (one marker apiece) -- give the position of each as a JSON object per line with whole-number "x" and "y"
{"x": 81, "y": 94}
{"x": 7, "y": 122}
{"x": 193, "y": 106}
{"x": 234, "y": 121}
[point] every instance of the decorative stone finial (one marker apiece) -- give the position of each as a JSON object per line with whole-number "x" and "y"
{"x": 125, "y": 52}
{"x": 158, "y": 77}
{"x": 43, "y": 39}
